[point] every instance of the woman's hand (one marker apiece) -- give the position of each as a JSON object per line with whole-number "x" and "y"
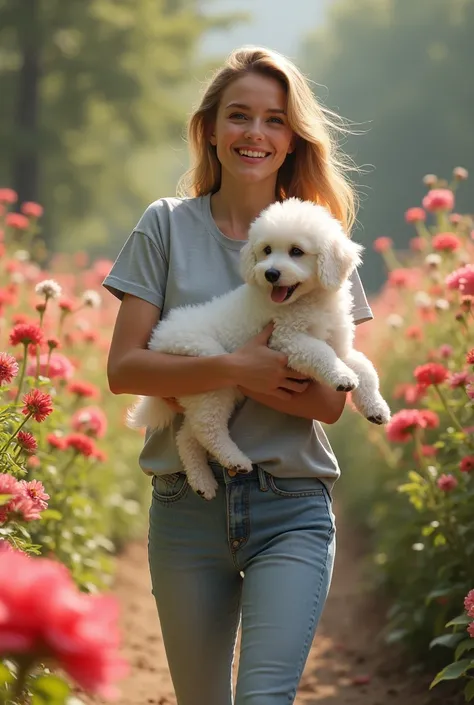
{"x": 266, "y": 371}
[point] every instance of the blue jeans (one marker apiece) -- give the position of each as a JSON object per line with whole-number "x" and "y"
{"x": 262, "y": 550}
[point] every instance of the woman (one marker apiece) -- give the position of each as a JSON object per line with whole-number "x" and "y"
{"x": 263, "y": 549}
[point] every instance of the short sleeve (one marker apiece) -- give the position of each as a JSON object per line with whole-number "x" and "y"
{"x": 361, "y": 311}
{"x": 141, "y": 269}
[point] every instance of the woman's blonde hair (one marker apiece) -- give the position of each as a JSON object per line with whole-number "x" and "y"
{"x": 314, "y": 171}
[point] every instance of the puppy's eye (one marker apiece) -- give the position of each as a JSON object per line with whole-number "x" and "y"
{"x": 296, "y": 252}
{"x": 267, "y": 250}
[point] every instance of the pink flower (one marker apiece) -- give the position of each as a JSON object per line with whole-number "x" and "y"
{"x": 8, "y": 195}
{"x": 470, "y": 629}
{"x": 446, "y": 242}
{"x": 82, "y": 444}
{"x": 469, "y": 603}
{"x": 60, "y": 367}
{"x": 400, "y": 277}
{"x": 446, "y": 483}
{"x": 445, "y": 350}
{"x": 462, "y": 279}
{"x": 470, "y": 391}
{"x": 27, "y": 442}
{"x": 403, "y": 424}
{"x": 470, "y": 357}
{"x": 459, "y": 379}
{"x": 23, "y": 508}
{"x": 17, "y": 221}
{"x": 77, "y": 631}
{"x": 460, "y": 173}
{"x": 439, "y": 199}
{"x": 467, "y": 463}
{"x": 382, "y": 244}
{"x": 35, "y": 491}
{"x": 26, "y": 333}
{"x": 37, "y": 404}
{"x": 415, "y": 215}
{"x": 428, "y": 418}
{"x": 84, "y": 389}
{"x": 431, "y": 373}
{"x": 56, "y": 441}
{"x": 8, "y": 368}
{"x": 8, "y": 484}
{"x": 90, "y": 420}
{"x": 32, "y": 209}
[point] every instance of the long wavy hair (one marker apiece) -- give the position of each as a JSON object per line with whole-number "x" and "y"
{"x": 316, "y": 170}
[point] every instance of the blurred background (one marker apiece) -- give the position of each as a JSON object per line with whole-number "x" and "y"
{"x": 94, "y": 96}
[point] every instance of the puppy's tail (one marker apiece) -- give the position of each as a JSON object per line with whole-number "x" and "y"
{"x": 151, "y": 412}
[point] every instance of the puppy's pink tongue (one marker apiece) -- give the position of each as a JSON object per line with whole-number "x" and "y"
{"x": 279, "y": 293}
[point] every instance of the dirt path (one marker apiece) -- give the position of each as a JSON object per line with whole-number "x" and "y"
{"x": 347, "y": 665}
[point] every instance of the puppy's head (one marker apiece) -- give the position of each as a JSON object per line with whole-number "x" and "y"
{"x": 295, "y": 247}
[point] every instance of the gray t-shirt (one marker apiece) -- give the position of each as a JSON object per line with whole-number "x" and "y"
{"x": 177, "y": 255}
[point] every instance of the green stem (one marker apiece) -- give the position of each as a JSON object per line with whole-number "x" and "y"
{"x": 20, "y": 683}
{"x": 449, "y": 411}
{"x": 7, "y": 442}
{"x": 22, "y": 371}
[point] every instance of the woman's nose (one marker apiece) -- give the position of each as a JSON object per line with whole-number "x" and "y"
{"x": 254, "y": 130}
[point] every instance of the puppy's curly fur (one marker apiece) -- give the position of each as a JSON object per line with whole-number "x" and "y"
{"x": 296, "y": 267}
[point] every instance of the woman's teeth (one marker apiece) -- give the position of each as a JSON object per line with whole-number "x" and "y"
{"x": 251, "y": 153}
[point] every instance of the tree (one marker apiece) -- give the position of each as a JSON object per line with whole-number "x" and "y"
{"x": 87, "y": 85}
{"x": 397, "y": 70}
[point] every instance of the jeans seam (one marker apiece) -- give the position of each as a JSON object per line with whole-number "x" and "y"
{"x": 304, "y": 650}
{"x": 304, "y": 493}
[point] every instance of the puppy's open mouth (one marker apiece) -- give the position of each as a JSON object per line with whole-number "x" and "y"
{"x": 283, "y": 293}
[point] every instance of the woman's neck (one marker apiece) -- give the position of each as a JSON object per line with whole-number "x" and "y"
{"x": 234, "y": 206}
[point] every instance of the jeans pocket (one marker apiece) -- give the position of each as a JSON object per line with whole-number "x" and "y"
{"x": 295, "y": 486}
{"x": 169, "y": 488}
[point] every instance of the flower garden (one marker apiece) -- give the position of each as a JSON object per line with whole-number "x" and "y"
{"x": 71, "y": 494}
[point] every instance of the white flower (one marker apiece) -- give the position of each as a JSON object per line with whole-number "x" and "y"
{"x": 418, "y": 547}
{"x": 394, "y": 320}
{"x": 22, "y": 255}
{"x": 17, "y": 278}
{"x": 422, "y": 299}
{"x": 49, "y": 289}
{"x": 442, "y": 304}
{"x": 91, "y": 298}
{"x": 433, "y": 260}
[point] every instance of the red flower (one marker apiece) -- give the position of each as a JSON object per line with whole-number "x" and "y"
{"x": 8, "y": 368}
{"x": 17, "y": 221}
{"x": 414, "y": 333}
{"x": 428, "y": 419}
{"x": 415, "y": 215}
{"x": 462, "y": 279}
{"x": 382, "y": 244}
{"x": 83, "y": 389}
{"x": 32, "y": 209}
{"x": 76, "y": 630}
{"x": 467, "y": 463}
{"x": 90, "y": 420}
{"x": 26, "y": 333}
{"x": 417, "y": 244}
{"x": 82, "y": 444}
{"x": 53, "y": 343}
{"x": 400, "y": 277}
{"x": 403, "y": 424}
{"x": 56, "y": 441}
{"x": 446, "y": 242}
{"x": 439, "y": 199}
{"x": 428, "y": 451}
{"x": 8, "y": 195}
{"x": 446, "y": 483}
{"x": 431, "y": 373}
{"x": 470, "y": 357}
{"x": 37, "y": 404}
{"x": 27, "y": 442}
{"x": 66, "y": 304}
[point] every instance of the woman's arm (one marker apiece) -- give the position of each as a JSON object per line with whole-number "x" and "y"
{"x": 317, "y": 401}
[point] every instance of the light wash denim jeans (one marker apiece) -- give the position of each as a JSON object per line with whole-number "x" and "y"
{"x": 263, "y": 550}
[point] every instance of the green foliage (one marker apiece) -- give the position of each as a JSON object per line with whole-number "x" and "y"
{"x": 397, "y": 71}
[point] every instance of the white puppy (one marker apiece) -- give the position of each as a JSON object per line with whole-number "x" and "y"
{"x": 295, "y": 265}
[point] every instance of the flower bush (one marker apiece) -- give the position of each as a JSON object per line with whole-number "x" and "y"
{"x": 70, "y": 493}
{"x": 412, "y": 483}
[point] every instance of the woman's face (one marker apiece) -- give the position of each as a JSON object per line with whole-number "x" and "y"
{"x": 251, "y": 133}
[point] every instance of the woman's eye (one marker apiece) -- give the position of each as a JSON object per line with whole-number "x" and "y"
{"x": 267, "y": 250}
{"x": 278, "y": 120}
{"x": 237, "y": 116}
{"x": 296, "y": 252}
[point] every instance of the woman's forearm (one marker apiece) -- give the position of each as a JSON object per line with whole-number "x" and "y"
{"x": 318, "y": 402}
{"x": 148, "y": 373}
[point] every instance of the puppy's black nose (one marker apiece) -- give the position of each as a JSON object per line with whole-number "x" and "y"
{"x": 272, "y": 275}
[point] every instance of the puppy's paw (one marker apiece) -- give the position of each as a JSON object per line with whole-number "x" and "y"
{"x": 344, "y": 379}
{"x": 205, "y": 487}
{"x": 378, "y": 411}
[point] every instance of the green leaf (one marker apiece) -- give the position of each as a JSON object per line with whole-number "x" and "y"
{"x": 464, "y": 646}
{"x": 453, "y": 671}
{"x": 5, "y": 675}
{"x": 51, "y": 514}
{"x": 463, "y": 620}
{"x": 416, "y": 477}
{"x": 449, "y": 640}
{"x": 469, "y": 691}
{"x": 439, "y": 540}
{"x": 50, "y": 690}
{"x": 5, "y": 498}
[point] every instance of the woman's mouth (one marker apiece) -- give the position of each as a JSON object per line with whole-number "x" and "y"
{"x": 280, "y": 294}
{"x": 251, "y": 156}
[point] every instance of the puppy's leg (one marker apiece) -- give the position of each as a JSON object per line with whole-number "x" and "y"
{"x": 208, "y": 415}
{"x": 194, "y": 458}
{"x": 318, "y": 360}
{"x": 367, "y": 398}
{"x": 150, "y": 411}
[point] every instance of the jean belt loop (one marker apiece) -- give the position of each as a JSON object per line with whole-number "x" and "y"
{"x": 262, "y": 478}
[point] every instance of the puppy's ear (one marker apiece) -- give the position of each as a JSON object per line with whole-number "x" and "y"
{"x": 338, "y": 260}
{"x": 247, "y": 262}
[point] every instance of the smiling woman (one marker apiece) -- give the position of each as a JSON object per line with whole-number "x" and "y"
{"x": 258, "y": 136}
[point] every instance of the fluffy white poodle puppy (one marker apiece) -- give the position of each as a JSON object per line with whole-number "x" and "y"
{"x": 296, "y": 266}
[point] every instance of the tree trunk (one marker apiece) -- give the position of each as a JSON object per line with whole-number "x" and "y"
{"x": 25, "y": 167}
